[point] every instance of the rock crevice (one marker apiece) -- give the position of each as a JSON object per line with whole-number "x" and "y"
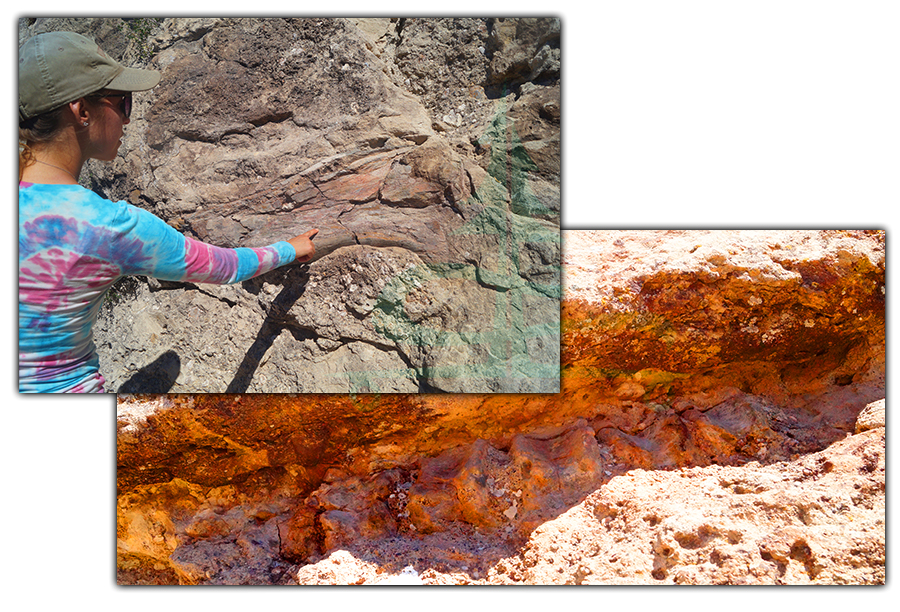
{"x": 732, "y": 464}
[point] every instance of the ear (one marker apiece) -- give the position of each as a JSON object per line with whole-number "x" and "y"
{"x": 80, "y": 112}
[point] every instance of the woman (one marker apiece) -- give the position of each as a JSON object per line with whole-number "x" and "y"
{"x": 74, "y": 102}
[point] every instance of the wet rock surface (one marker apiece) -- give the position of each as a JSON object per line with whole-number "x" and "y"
{"x": 754, "y": 467}
{"x": 439, "y": 137}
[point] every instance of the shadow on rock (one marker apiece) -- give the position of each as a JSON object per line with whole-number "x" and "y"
{"x": 293, "y": 289}
{"x": 156, "y": 377}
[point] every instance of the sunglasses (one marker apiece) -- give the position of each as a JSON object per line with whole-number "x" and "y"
{"x": 124, "y": 105}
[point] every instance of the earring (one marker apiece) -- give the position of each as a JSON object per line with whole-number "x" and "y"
{"x": 85, "y": 124}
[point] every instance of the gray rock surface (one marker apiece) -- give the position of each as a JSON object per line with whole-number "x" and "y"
{"x": 427, "y": 153}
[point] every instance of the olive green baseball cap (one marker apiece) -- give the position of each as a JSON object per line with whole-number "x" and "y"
{"x": 56, "y": 68}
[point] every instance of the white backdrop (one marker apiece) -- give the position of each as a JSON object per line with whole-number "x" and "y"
{"x": 676, "y": 114}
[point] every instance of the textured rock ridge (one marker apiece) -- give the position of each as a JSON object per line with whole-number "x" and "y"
{"x": 435, "y": 141}
{"x": 742, "y": 465}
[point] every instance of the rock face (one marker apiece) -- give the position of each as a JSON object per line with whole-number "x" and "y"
{"x": 750, "y": 455}
{"x": 426, "y": 152}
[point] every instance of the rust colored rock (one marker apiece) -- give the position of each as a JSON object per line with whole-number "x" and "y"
{"x": 299, "y": 534}
{"x": 816, "y": 520}
{"x": 683, "y": 301}
{"x": 764, "y": 468}
{"x": 555, "y": 471}
{"x": 355, "y": 188}
{"x": 453, "y": 486}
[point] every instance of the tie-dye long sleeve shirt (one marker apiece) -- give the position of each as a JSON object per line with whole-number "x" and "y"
{"x": 73, "y": 245}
